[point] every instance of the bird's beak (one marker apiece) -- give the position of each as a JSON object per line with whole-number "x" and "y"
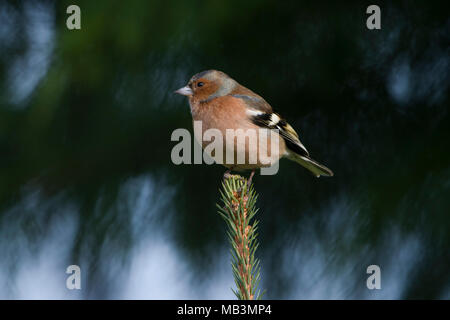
{"x": 185, "y": 91}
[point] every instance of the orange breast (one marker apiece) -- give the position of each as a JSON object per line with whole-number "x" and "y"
{"x": 246, "y": 145}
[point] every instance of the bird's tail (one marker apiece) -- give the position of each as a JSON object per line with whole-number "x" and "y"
{"x": 316, "y": 168}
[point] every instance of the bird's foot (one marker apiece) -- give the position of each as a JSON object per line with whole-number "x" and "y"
{"x": 249, "y": 181}
{"x": 227, "y": 175}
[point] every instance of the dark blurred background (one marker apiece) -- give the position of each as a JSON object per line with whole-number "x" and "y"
{"x": 86, "y": 176}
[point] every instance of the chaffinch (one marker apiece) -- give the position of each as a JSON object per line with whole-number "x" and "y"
{"x": 220, "y": 102}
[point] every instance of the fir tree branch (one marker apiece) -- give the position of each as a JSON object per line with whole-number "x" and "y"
{"x": 238, "y": 211}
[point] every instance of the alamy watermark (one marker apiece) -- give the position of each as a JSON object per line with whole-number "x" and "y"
{"x": 374, "y": 20}
{"x": 74, "y": 280}
{"x": 374, "y": 280}
{"x": 239, "y": 148}
{"x": 74, "y": 20}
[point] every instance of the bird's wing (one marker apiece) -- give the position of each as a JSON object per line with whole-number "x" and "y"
{"x": 254, "y": 102}
{"x": 274, "y": 121}
{"x": 262, "y": 115}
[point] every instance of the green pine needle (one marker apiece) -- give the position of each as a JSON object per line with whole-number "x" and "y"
{"x": 238, "y": 211}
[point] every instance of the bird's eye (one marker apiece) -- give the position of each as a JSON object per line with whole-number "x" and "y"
{"x": 200, "y": 84}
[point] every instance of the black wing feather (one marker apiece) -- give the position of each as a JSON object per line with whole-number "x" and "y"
{"x": 286, "y": 131}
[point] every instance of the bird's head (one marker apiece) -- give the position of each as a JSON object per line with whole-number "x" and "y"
{"x": 208, "y": 85}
